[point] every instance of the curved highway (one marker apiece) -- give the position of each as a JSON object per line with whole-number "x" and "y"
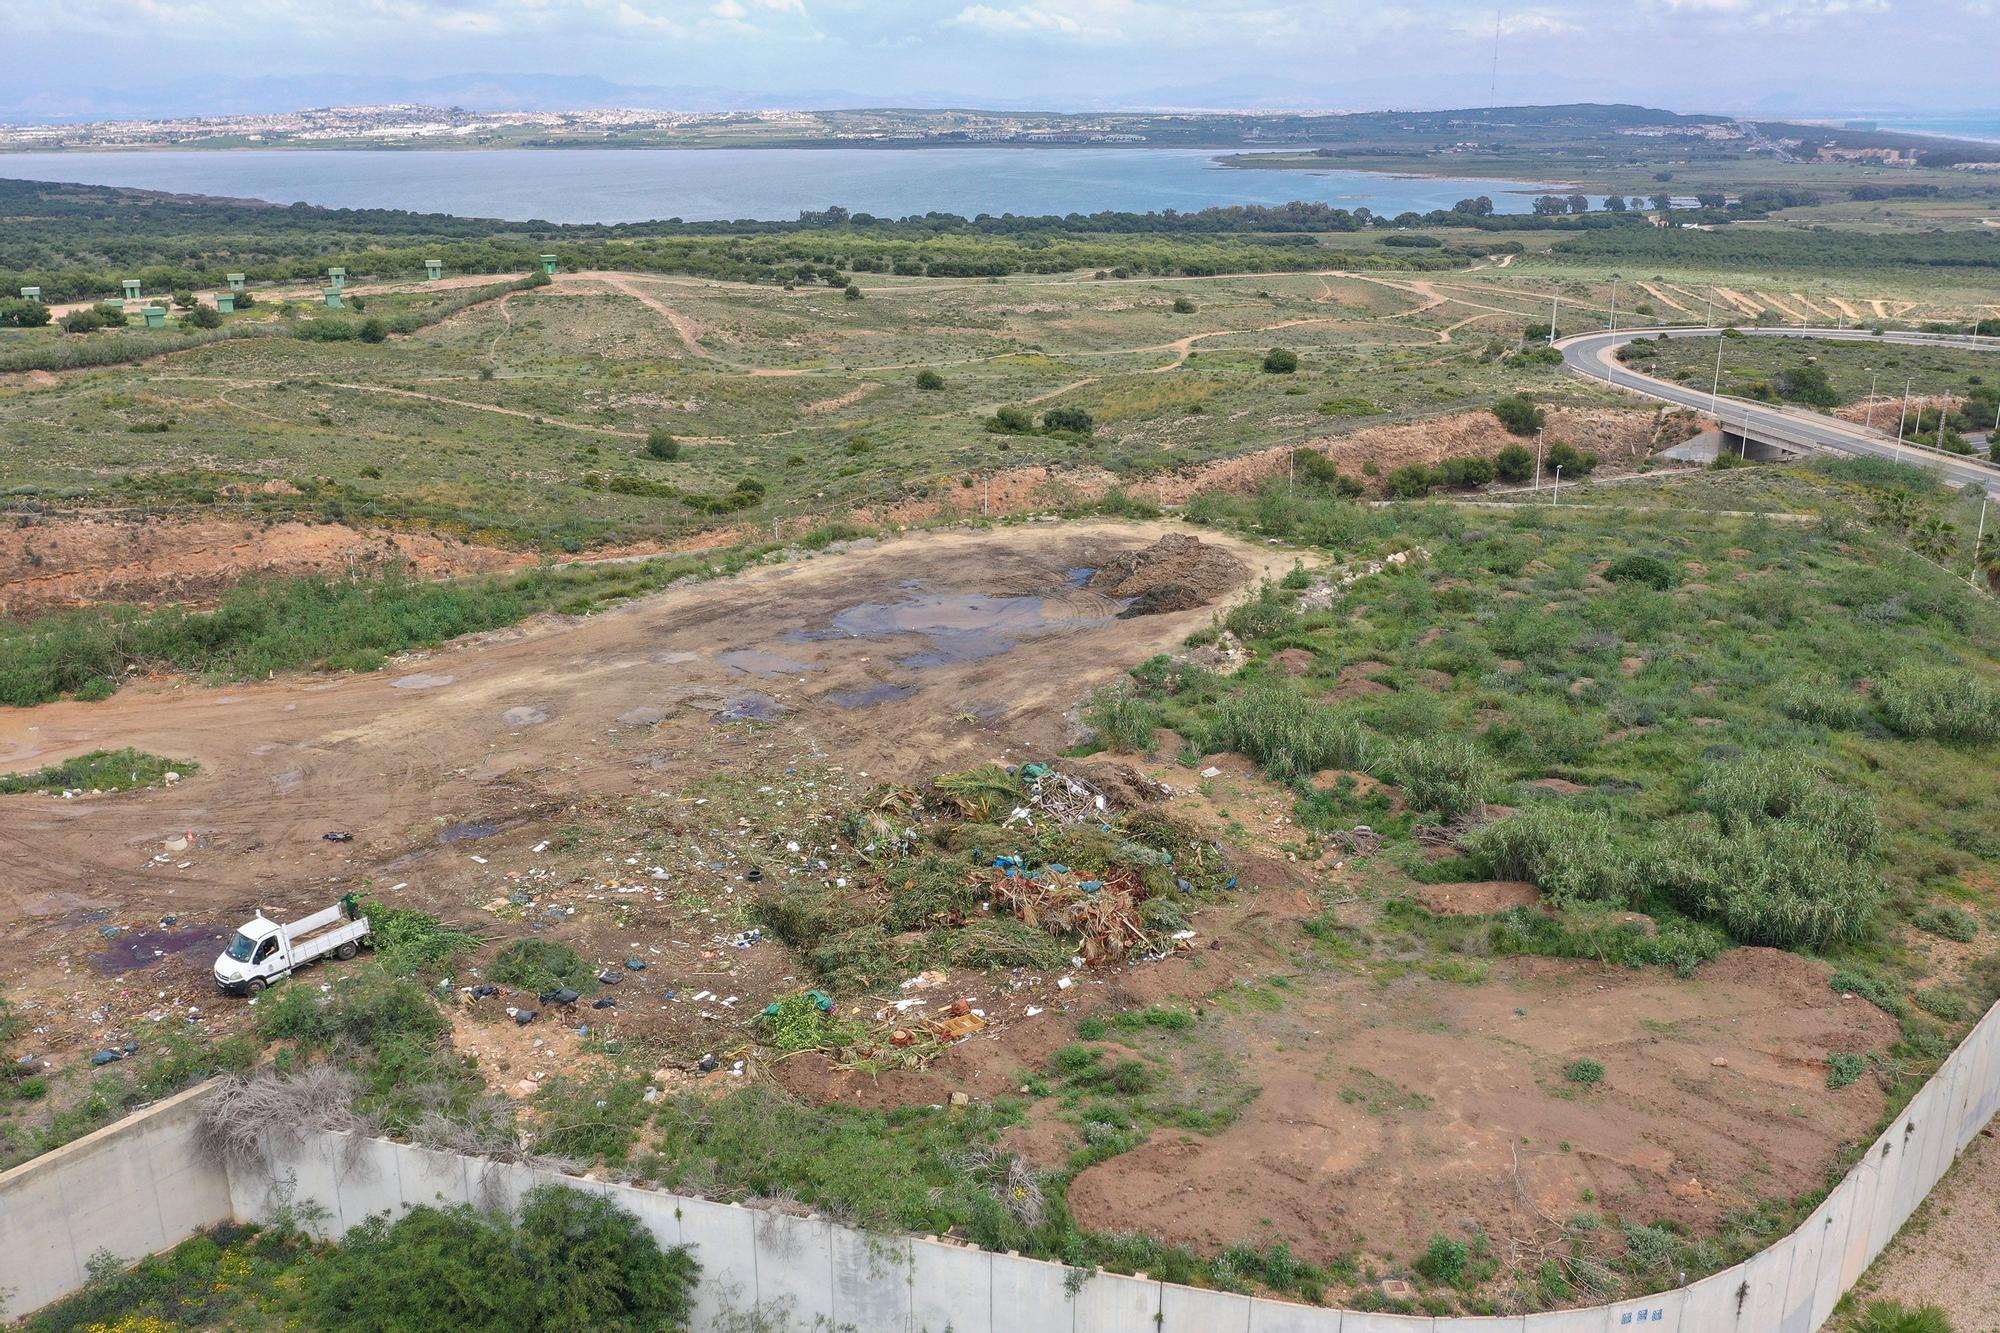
{"x": 1595, "y": 355}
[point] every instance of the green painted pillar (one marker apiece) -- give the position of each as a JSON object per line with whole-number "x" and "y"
{"x": 131, "y": 289}
{"x": 236, "y": 282}
{"x": 333, "y": 298}
{"x": 337, "y": 277}
{"x": 31, "y": 293}
{"x": 433, "y": 269}
{"x": 156, "y": 317}
{"x": 549, "y": 265}
{"x": 226, "y": 302}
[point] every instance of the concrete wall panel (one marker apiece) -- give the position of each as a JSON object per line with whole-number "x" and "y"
{"x": 1114, "y": 1303}
{"x": 1267, "y": 1316}
{"x": 952, "y": 1288}
{"x": 1028, "y": 1295}
{"x": 873, "y": 1280}
{"x": 794, "y": 1264}
{"x": 1191, "y": 1310}
{"x": 1356, "y": 1321}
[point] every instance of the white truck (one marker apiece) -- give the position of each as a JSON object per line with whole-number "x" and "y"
{"x": 265, "y": 950}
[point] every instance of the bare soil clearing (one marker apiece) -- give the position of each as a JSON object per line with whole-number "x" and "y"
{"x": 50, "y": 564}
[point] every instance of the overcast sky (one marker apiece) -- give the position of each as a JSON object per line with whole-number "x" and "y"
{"x": 74, "y": 57}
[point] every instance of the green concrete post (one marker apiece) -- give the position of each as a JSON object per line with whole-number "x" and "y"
{"x": 31, "y": 293}
{"x": 236, "y": 282}
{"x": 549, "y": 265}
{"x": 131, "y": 289}
{"x": 333, "y": 298}
{"x": 337, "y": 277}
{"x": 156, "y": 317}
{"x": 433, "y": 269}
{"x": 226, "y": 302}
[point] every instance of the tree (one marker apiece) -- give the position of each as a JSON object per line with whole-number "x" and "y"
{"x": 1614, "y": 203}
{"x": 571, "y": 1260}
{"x": 1481, "y": 207}
{"x": 185, "y": 300}
{"x": 661, "y": 445}
{"x": 20, "y": 313}
{"x": 1573, "y": 461}
{"x": 203, "y": 317}
{"x": 1549, "y": 205}
{"x": 1519, "y": 416}
{"x": 1935, "y": 537}
{"x": 1280, "y": 361}
{"x": 1711, "y": 200}
{"x": 929, "y": 381}
{"x": 1664, "y": 202}
{"x": 1514, "y": 463}
{"x": 853, "y": 292}
{"x": 1072, "y": 420}
{"x": 1410, "y": 481}
{"x": 1578, "y": 203}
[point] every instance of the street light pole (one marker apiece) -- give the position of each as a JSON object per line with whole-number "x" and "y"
{"x": 1972, "y": 575}
{"x": 1613, "y": 326}
{"x": 1555, "y": 495}
{"x": 1538, "y": 461}
{"x": 1873, "y": 376}
{"x": 1715, "y": 389}
{"x": 1555, "y": 305}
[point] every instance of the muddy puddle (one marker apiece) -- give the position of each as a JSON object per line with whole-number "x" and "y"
{"x": 961, "y": 627}
{"x": 749, "y": 708}
{"x": 133, "y": 949}
{"x": 869, "y": 697}
{"x": 765, "y": 666}
{"x": 467, "y": 832}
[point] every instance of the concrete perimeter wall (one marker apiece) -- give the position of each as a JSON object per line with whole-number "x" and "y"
{"x": 132, "y": 1188}
{"x": 136, "y": 1187}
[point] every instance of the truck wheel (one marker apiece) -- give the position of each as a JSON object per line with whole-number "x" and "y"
{"x": 345, "y": 951}
{"x": 254, "y": 985}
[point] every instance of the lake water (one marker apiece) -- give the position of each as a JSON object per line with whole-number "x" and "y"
{"x": 637, "y": 185}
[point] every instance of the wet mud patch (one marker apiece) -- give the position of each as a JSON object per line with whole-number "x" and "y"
{"x": 763, "y": 665}
{"x": 871, "y": 696}
{"x": 422, "y": 680}
{"x": 132, "y": 950}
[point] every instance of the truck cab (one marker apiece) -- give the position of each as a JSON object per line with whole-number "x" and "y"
{"x": 265, "y": 950}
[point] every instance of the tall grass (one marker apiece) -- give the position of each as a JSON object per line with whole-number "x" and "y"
{"x": 1942, "y": 704}
{"x": 1571, "y": 855}
{"x": 1123, "y": 719}
{"x": 1287, "y": 733}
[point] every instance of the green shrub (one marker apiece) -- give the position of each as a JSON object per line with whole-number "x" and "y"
{"x": 1951, "y": 923}
{"x": 1444, "y": 773}
{"x": 539, "y": 964}
{"x": 1280, "y": 361}
{"x": 1519, "y": 415}
{"x": 1067, "y": 420}
{"x": 1940, "y": 1002}
{"x": 1882, "y": 995}
{"x": 1123, "y": 719}
{"x": 929, "y": 381}
{"x": 1781, "y": 884}
{"x": 100, "y": 770}
{"x": 1290, "y": 735}
{"x": 1940, "y": 703}
{"x": 1586, "y": 1072}
{"x": 1011, "y": 421}
{"x": 1514, "y": 463}
{"x": 1444, "y": 1259}
{"x": 1570, "y": 854}
{"x": 1895, "y": 1317}
{"x": 1822, "y": 702}
{"x": 1649, "y": 570}
{"x": 570, "y": 1260}
{"x": 661, "y": 445}
{"x": 1780, "y": 788}
{"x": 1844, "y": 1068}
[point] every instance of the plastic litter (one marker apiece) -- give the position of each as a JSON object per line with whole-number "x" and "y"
{"x": 561, "y": 995}
{"x": 606, "y": 1003}
{"x": 337, "y": 835}
{"x": 107, "y": 1057}
{"x": 523, "y": 1017}
{"x": 708, "y": 1064}
{"x": 610, "y": 977}
{"x": 635, "y": 965}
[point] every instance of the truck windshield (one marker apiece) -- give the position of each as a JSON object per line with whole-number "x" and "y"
{"x": 241, "y": 947}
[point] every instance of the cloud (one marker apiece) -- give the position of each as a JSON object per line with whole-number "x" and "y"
{"x": 1026, "y": 19}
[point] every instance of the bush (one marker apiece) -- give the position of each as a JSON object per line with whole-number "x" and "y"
{"x": 1183, "y": 306}
{"x": 1895, "y": 1317}
{"x": 1520, "y": 416}
{"x": 661, "y": 445}
{"x": 1586, "y": 1072}
{"x": 1780, "y": 884}
{"x": 1951, "y": 923}
{"x": 1569, "y": 854}
{"x": 1844, "y": 1068}
{"x": 1011, "y": 421}
{"x": 853, "y": 293}
{"x": 1444, "y": 1260}
{"x": 1410, "y": 481}
{"x": 1445, "y": 774}
{"x": 1123, "y": 719}
{"x": 1071, "y": 420}
{"x": 540, "y": 964}
{"x": 1514, "y": 463}
{"x": 1822, "y": 703}
{"x": 1572, "y": 460}
{"x": 570, "y": 1260}
{"x": 1648, "y": 570}
{"x": 929, "y": 381}
{"x": 1940, "y": 703}
{"x": 1290, "y": 735}
{"x": 203, "y": 317}
{"x": 1280, "y": 361}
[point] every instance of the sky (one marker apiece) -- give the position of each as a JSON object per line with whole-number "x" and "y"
{"x": 79, "y": 58}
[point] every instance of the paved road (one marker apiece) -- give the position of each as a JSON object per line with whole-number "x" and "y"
{"x": 1593, "y": 354}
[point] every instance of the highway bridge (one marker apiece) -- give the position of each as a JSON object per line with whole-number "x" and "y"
{"x": 1771, "y": 429}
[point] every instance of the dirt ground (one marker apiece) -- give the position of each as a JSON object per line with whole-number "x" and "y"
{"x": 1944, "y": 1255}
{"x": 58, "y": 563}
{"x": 627, "y": 782}
{"x": 496, "y": 781}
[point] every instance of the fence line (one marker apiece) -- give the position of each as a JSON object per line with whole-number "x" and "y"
{"x": 138, "y": 1186}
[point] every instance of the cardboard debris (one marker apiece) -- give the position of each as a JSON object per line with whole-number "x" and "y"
{"x": 956, "y": 1028}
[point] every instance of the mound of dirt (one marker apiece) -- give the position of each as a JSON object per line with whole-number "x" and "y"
{"x": 1175, "y": 573}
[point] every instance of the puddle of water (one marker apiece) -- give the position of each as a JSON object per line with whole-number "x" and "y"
{"x": 422, "y": 680}
{"x": 467, "y": 831}
{"x": 143, "y": 948}
{"x": 868, "y": 698}
{"x": 962, "y": 627}
{"x": 644, "y": 715}
{"x": 1081, "y": 576}
{"x": 766, "y": 666}
{"x": 749, "y": 708}
{"x": 525, "y": 715}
